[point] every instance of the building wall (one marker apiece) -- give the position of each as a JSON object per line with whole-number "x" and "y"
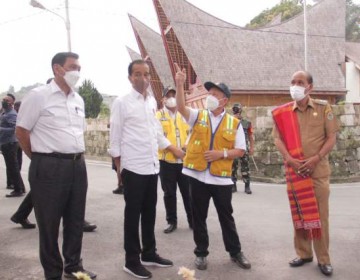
{"x": 267, "y": 164}
{"x": 352, "y": 82}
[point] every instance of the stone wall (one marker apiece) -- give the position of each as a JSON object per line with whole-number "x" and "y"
{"x": 267, "y": 164}
{"x": 97, "y": 139}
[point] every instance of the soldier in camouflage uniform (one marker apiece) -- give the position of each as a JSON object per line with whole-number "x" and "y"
{"x": 243, "y": 161}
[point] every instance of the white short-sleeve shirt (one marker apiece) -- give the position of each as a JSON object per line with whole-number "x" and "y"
{"x": 56, "y": 121}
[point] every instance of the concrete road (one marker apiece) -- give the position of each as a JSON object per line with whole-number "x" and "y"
{"x": 263, "y": 222}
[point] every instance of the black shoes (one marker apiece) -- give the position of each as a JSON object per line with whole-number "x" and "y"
{"x": 201, "y": 263}
{"x": 156, "y": 260}
{"x": 70, "y": 275}
{"x": 119, "y": 190}
{"x": 138, "y": 271}
{"x": 14, "y": 194}
{"x": 170, "y": 228}
{"x": 299, "y": 262}
{"x": 24, "y": 223}
{"x": 88, "y": 227}
{"x": 247, "y": 188}
{"x": 10, "y": 187}
{"x": 241, "y": 261}
{"x": 326, "y": 269}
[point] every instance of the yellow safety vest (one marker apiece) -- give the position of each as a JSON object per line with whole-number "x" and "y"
{"x": 175, "y": 130}
{"x": 202, "y": 139}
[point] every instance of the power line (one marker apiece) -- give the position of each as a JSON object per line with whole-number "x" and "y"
{"x": 256, "y": 30}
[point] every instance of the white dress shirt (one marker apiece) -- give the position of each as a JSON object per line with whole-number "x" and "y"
{"x": 136, "y": 134}
{"x": 205, "y": 176}
{"x": 56, "y": 121}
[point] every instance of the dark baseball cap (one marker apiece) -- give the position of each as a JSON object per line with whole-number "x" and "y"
{"x": 167, "y": 89}
{"x": 237, "y": 105}
{"x": 221, "y": 86}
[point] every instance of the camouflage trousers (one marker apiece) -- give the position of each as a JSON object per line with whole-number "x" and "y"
{"x": 245, "y": 170}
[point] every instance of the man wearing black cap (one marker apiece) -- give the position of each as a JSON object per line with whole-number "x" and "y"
{"x": 176, "y": 131}
{"x": 217, "y": 138}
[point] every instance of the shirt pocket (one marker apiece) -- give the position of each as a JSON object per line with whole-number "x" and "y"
{"x": 53, "y": 117}
{"x": 229, "y": 138}
{"x": 77, "y": 115}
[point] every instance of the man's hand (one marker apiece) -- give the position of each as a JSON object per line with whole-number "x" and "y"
{"x": 180, "y": 75}
{"x": 251, "y": 151}
{"x": 213, "y": 155}
{"x": 309, "y": 165}
{"x": 295, "y": 164}
{"x": 177, "y": 152}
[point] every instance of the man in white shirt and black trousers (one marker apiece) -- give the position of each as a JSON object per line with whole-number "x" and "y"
{"x": 135, "y": 137}
{"x": 50, "y": 129}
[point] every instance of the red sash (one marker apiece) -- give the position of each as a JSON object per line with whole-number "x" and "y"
{"x": 303, "y": 203}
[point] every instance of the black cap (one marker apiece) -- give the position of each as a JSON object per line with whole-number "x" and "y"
{"x": 167, "y": 89}
{"x": 237, "y": 105}
{"x": 221, "y": 86}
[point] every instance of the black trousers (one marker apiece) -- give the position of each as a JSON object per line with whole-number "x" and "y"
{"x": 58, "y": 190}
{"x": 171, "y": 176}
{"x": 25, "y": 208}
{"x": 10, "y": 153}
{"x": 221, "y": 195}
{"x": 140, "y": 194}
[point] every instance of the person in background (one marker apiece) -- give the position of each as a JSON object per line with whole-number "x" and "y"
{"x": 244, "y": 160}
{"x": 305, "y": 132}
{"x": 176, "y": 131}
{"x": 10, "y": 146}
{"x": 217, "y": 138}
{"x": 120, "y": 187}
{"x": 50, "y": 129}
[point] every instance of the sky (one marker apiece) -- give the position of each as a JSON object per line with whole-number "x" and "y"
{"x": 100, "y": 32}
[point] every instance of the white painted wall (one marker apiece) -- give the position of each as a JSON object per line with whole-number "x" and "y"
{"x": 352, "y": 83}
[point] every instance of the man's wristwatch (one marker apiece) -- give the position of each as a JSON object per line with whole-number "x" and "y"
{"x": 225, "y": 154}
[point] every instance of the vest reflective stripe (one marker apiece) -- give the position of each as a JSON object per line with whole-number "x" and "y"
{"x": 169, "y": 128}
{"x": 200, "y": 139}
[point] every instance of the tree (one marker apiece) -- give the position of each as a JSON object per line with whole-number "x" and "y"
{"x": 104, "y": 111}
{"x": 287, "y": 9}
{"x": 352, "y": 21}
{"x": 92, "y": 99}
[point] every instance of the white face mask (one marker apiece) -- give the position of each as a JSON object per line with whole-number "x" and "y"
{"x": 170, "y": 102}
{"x": 71, "y": 78}
{"x": 297, "y": 93}
{"x": 211, "y": 103}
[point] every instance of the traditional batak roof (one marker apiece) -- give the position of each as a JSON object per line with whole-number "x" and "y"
{"x": 152, "y": 50}
{"x": 353, "y": 52}
{"x": 133, "y": 54}
{"x": 256, "y": 60}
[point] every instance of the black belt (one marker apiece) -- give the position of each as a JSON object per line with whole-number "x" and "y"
{"x": 60, "y": 155}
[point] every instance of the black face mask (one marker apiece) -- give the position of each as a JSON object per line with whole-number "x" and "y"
{"x": 5, "y": 105}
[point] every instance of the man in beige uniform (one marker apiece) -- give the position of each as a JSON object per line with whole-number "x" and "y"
{"x": 318, "y": 128}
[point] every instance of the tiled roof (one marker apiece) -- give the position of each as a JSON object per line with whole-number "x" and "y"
{"x": 263, "y": 58}
{"x": 155, "y": 49}
{"x": 352, "y": 51}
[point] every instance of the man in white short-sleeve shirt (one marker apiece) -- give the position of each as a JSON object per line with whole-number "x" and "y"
{"x": 50, "y": 129}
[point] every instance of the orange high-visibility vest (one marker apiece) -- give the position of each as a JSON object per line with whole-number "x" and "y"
{"x": 175, "y": 130}
{"x": 202, "y": 140}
